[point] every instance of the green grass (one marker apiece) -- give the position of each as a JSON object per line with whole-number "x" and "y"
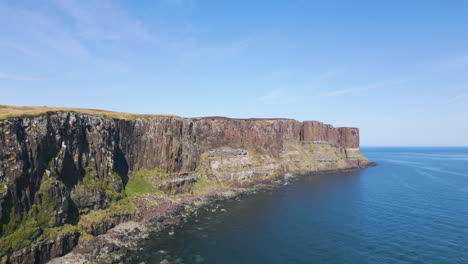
{"x": 54, "y": 232}
{"x": 43, "y": 212}
{"x": 23, "y": 234}
{"x": 10, "y": 111}
{"x": 11, "y": 158}
{"x": 91, "y": 182}
{"x": 20, "y": 237}
{"x": 144, "y": 181}
{"x": 97, "y": 217}
{"x": 4, "y": 189}
{"x": 204, "y": 185}
{"x": 35, "y": 226}
{"x": 21, "y": 228}
{"x": 19, "y": 232}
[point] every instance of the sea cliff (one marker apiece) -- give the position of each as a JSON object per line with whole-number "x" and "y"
{"x": 67, "y": 176}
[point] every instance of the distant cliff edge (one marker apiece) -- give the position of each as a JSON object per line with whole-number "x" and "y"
{"x": 67, "y": 176}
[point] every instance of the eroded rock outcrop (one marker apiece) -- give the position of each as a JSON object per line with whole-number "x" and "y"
{"x": 64, "y": 170}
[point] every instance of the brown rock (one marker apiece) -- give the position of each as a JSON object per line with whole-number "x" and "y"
{"x": 75, "y": 148}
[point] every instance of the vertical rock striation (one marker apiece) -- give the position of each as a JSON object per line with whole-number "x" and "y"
{"x": 57, "y": 169}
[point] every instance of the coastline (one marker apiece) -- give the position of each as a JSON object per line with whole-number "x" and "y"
{"x": 122, "y": 242}
{"x": 70, "y": 177}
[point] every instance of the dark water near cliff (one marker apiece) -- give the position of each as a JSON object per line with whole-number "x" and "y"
{"x": 412, "y": 208}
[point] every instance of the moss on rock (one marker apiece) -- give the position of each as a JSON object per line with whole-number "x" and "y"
{"x": 144, "y": 181}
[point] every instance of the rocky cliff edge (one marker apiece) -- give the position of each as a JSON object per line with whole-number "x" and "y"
{"x": 67, "y": 176}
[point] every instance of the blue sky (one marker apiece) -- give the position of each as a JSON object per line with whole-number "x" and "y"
{"x": 398, "y": 70}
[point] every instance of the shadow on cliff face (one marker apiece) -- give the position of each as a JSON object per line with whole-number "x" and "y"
{"x": 35, "y": 156}
{"x": 70, "y": 174}
{"x": 73, "y": 216}
{"x": 5, "y": 209}
{"x": 121, "y": 165}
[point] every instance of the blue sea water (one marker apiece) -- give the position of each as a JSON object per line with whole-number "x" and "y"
{"x": 411, "y": 208}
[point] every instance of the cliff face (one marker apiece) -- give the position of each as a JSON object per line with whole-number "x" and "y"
{"x": 58, "y": 169}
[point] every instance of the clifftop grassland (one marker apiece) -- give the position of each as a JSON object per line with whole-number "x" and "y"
{"x": 9, "y": 111}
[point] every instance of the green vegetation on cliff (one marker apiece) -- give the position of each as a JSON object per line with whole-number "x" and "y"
{"x": 39, "y": 225}
{"x": 144, "y": 181}
{"x": 93, "y": 180}
{"x": 205, "y": 184}
{"x": 41, "y": 222}
{"x": 17, "y": 233}
{"x": 33, "y": 227}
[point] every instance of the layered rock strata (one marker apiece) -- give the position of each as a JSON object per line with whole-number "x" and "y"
{"x": 66, "y": 176}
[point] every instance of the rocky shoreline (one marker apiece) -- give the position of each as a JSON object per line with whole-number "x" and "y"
{"x": 68, "y": 177}
{"x": 125, "y": 240}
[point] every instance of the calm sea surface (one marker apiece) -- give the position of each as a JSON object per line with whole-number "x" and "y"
{"x": 411, "y": 208}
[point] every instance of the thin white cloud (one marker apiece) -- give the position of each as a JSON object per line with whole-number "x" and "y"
{"x": 104, "y": 20}
{"x": 179, "y": 2}
{"x": 328, "y": 74}
{"x": 284, "y": 96}
{"x": 40, "y": 34}
{"x": 361, "y": 88}
{"x": 41, "y": 37}
{"x": 342, "y": 91}
{"x": 12, "y": 45}
{"x": 461, "y": 62}
{"x": 272, "y": 96}
{"x": 276, "y": 76}
{"x": 9, "y": 76}
{"x": 193, "y": 51}
{"x": 458, "y": 97}
{"x": 458, "y": 62}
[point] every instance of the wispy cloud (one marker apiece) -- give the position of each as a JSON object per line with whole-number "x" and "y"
{"x": 458, "y": 62}
{"x": 380, "y": 85}
{"x": 328, "y": 74}
{"x": 189, "y": 3}
{"x": 45, "y": 39}
{"x": 104, "y": 20}
{"x": 177, "y": 2}
{"x": 40, "y": 34}
{"x": 284, "y": 78}
{"x": 458, "y": 97}
{"x": 193, "y": 51}
{"x": 4, "y": 75}
{"x": 75, "y": 35}
{"x": 461, "y": 62}
{"x": 275, "y": 76}
{"x": 285, "y": 75}
{"x": 12, "y": 45}
{"x": 272, "y": 96}
{"x": 291, "y": 96}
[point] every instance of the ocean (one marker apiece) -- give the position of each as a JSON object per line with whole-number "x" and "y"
{"x": 411, "y": 208}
